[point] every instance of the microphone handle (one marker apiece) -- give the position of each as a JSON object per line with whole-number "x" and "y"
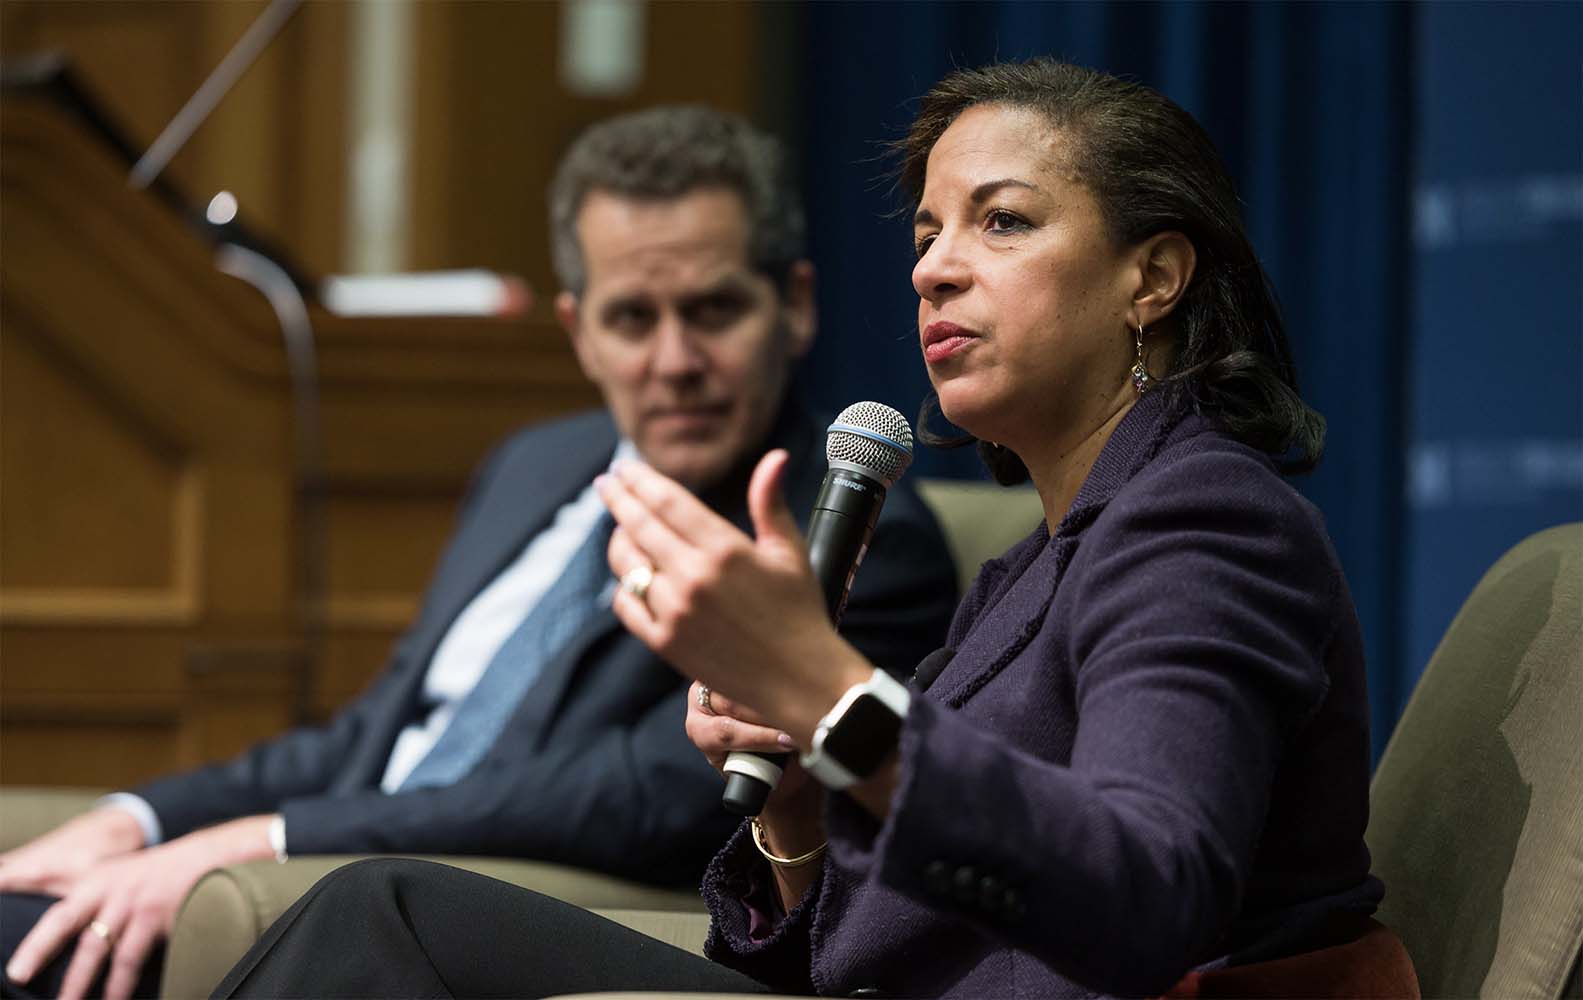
{"x": 839, "y": 530}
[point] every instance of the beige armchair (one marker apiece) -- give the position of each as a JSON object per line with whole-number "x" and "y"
{"x": 980, "y": 520}
{"x": 27, "y": 812}
{"x": 1476, "y": 819}
{"x": 230, "y": 907}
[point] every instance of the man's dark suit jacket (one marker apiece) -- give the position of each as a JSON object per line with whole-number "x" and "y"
{"x": 594, "y": 768}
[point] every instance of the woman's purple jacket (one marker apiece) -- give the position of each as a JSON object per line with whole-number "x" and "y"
{"x": 1144, "y": 750}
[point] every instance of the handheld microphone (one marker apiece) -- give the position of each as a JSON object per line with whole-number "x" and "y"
{"x": 869, "y": 446}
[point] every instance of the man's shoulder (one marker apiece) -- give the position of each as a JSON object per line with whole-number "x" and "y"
{"x": 550, "y": 459}
{"x": 583, "y": 432}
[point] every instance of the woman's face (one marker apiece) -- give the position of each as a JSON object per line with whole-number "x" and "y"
{"x": 1024, "y": 298}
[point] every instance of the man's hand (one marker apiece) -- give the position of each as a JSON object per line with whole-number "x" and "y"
{"x": 122, "y": 907}
{"x": 53, "y": 863}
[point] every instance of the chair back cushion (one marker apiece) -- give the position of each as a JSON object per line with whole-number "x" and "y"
{"x": 1477, "y": 806}
{"x": 981, "y": 520}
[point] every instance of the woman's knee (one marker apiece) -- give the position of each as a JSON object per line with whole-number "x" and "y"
{"x": 371, "y": 879}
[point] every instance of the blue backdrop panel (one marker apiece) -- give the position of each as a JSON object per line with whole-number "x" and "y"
{"x": 1496, "y": 380}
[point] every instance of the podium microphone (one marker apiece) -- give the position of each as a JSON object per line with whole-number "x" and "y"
{"x": 869, "y": 446}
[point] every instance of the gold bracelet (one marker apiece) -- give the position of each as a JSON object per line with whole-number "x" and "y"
{"x": 797, "y": 862}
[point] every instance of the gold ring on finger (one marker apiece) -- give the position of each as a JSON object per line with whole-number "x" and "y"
{"x": 102, "y": 931}
{"x": 637, "y": 581}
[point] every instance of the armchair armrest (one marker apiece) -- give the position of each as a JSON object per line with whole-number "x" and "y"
{"x": 230, "y": 908}
{"x": 646, "y": 995}
{"x": 29, "y": 811}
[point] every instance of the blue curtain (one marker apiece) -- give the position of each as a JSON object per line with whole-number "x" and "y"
{"x": 1309, "y": 105}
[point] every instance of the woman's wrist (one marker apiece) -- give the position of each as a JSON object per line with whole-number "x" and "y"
{"x": 792, "y": 850}
{"x": 809, "y": 703}
{"x": 773, "y": 854}
{"x": 796, "y": 826}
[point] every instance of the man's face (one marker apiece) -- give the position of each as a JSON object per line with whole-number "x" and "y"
{"x": 691, "y": 347}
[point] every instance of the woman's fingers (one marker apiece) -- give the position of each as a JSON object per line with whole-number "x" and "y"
{"x": 772, "y": 519}
{"x": 717, "y": 605}
{"x": 643, "y": 525}
{"x": 718, "y": 735}
{"x": 635, "y": 612}
{"x": 672, "y": 503}
{"x": 717, "y": 726}
{"x": 625, "y": 556}
{"x": 711, "y": 702}
{"x": 665, "y": 521}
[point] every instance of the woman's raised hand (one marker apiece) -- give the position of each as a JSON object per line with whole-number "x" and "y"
{"x": 742, "y": 615}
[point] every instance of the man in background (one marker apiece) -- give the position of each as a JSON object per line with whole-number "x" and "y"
{"x": 516, "y": 717}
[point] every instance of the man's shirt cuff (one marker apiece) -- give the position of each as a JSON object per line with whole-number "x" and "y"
{"x": 277, "y": 838}
{"x": 141, "y": 811}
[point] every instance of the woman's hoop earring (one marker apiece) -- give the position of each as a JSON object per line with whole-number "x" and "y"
{"x": 1141, "y": 379}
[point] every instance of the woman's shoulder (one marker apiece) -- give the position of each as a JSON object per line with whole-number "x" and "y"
{"x": 1204, "y": 489}
{"x": 1202, "y": 466}
{"x": 1208, "y": 529}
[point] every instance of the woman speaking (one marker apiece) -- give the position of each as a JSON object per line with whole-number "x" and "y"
{"x": 1143, "y": 751}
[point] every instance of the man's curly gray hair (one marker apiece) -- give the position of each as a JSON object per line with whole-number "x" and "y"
{"x": 667, "y": 152}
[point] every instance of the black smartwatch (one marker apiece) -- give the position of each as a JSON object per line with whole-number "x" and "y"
{"x": 854, "y": 738}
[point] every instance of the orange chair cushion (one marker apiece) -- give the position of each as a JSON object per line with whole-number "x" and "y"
{"x": 1373, "y": 966}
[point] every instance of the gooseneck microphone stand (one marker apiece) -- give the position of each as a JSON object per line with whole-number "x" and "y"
{"x": 281, "y": 290}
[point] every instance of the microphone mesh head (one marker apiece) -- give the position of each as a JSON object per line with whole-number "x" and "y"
{"x": 874, "y": 437}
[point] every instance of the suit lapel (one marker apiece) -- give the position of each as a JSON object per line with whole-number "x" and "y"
{"x": 1013, "y": 618}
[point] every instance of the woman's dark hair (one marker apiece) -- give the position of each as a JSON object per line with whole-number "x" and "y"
{"x": 1153, "y": 169}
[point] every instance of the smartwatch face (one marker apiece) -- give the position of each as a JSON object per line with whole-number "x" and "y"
{"x": 865, "y": 735}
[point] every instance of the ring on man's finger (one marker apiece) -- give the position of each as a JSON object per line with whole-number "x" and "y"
{"x": 703, "y": 700}
{"x": 637, "y": 581}
{"x": 102, "y": 931}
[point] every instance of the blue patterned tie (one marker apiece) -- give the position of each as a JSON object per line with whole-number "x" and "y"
{"x": 565, "y": 609}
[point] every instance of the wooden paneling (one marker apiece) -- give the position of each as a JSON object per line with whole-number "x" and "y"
{"x": 490, "y": 115}
{"x": 150, "y": 597}
{"x": 492, "y": 118}
{"x": 138, "y": 537}
{"x": 144, "y": 439}
{"x": 149, "y": 594}
{"x": 123, "y": 748}
{"x": 277, "y": 141}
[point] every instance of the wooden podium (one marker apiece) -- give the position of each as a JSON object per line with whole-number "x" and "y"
{"x": 150, "y": 617}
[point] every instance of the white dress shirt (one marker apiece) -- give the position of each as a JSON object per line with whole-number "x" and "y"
{"x": 467, "y": 647}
